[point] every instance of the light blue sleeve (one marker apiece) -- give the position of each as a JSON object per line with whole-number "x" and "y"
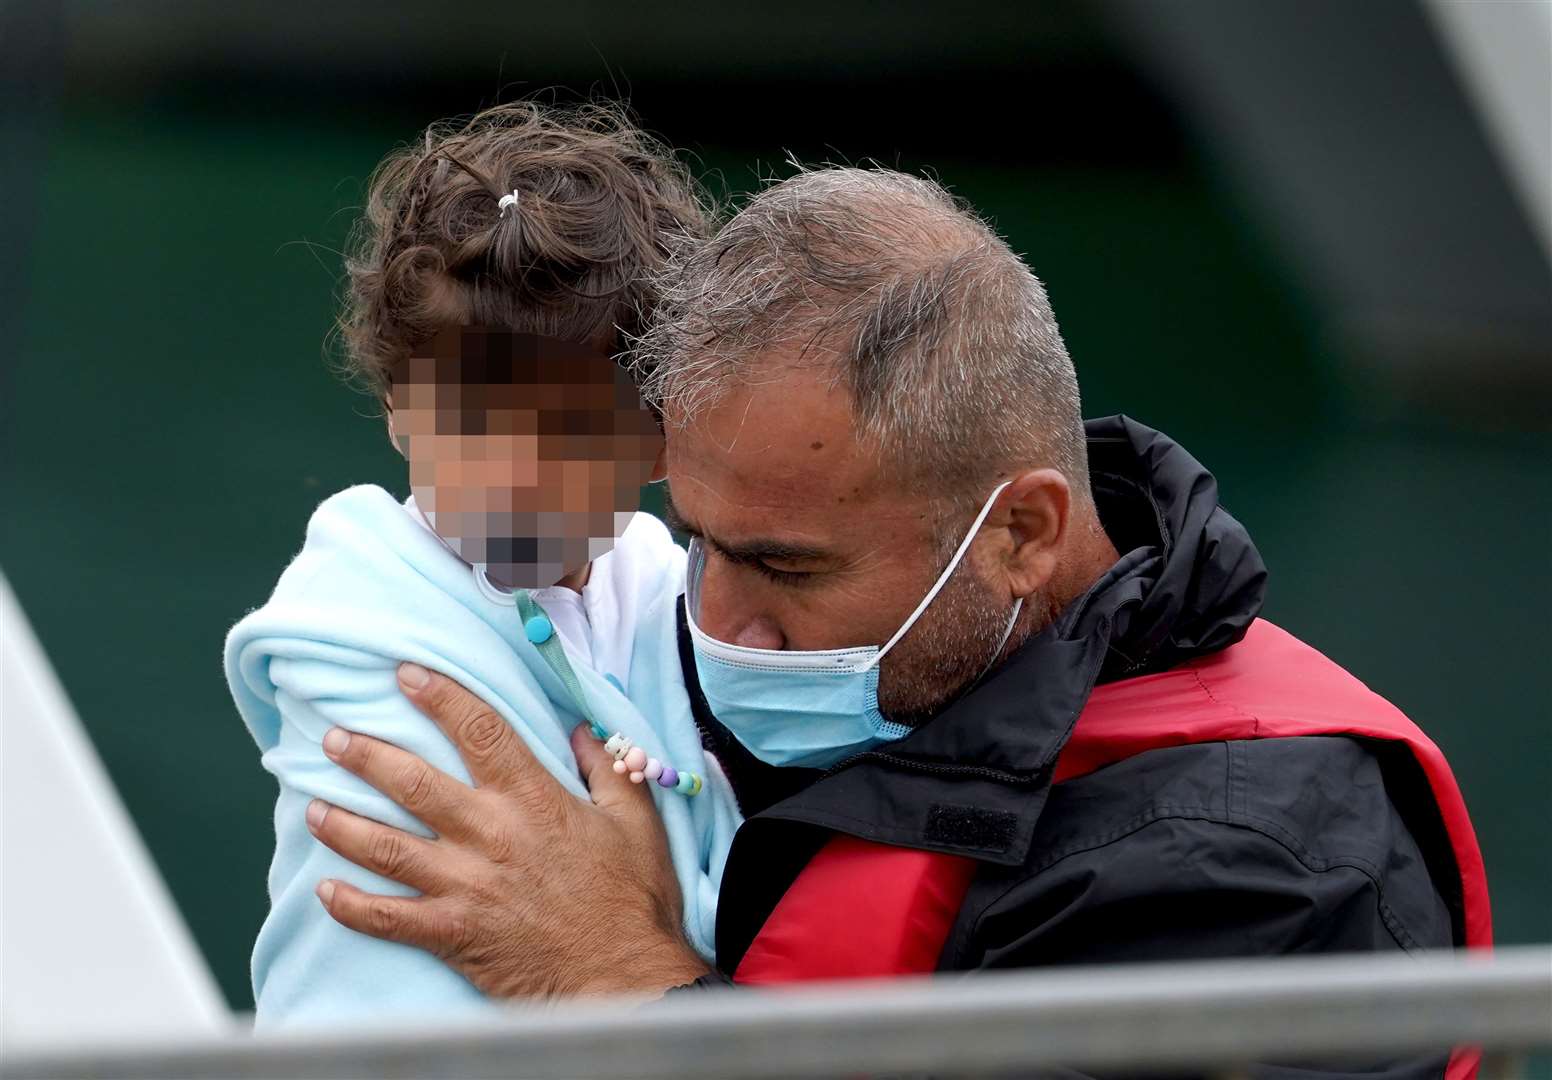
{"x": 309, "y": 970}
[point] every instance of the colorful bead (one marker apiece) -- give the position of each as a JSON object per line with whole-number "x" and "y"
{"x": 539, "y": 629}
{"x": 632, "y": 760}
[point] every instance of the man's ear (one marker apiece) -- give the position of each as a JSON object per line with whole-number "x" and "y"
{"x": 660, "y": 466}
{"x": 1036, "y": 508}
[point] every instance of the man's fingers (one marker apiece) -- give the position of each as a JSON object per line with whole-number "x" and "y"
{"x": 437, "y": 799}
{"x": 380, "y": 848}
{"x": 608, "y": 788}
{"x": 494, "y": 753}
{"x": 425, "y": 922}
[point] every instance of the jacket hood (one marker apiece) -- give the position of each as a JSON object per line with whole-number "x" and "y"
{"x": 1189, "y": 581}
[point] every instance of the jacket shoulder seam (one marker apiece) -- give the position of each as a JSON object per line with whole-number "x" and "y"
{"x": 1255, "y": 721}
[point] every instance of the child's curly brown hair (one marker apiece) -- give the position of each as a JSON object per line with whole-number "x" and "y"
{"x": 599, "y": 205}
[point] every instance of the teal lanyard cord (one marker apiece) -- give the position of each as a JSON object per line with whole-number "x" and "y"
{"x": 540, "y": 630}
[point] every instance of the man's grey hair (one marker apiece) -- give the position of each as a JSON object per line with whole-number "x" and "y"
{"x": 942, "y": 335}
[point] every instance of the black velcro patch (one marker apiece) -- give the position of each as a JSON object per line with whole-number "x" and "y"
{"x": 970, "y": 826}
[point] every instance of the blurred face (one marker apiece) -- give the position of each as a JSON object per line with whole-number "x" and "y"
{"x": 527, "y": 454}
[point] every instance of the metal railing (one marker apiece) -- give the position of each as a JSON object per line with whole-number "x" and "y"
{"x": 1204, "y": 1016}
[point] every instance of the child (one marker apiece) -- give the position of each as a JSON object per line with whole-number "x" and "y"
{"x": 496, "y": 273}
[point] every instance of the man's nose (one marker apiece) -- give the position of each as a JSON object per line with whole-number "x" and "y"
{"x": 726, "y": 616}
{"x": 760, "y": 633}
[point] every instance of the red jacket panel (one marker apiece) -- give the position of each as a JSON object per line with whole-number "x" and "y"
{"x": 861, "y": 909}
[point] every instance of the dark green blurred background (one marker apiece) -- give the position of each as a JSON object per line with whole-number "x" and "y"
{"x": 180, "y": 181}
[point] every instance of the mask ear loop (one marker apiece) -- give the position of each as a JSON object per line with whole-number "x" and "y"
{"x": 695, "y": 565}
{"x": 964, "y": 546}
{"x": 1007, "y": 632}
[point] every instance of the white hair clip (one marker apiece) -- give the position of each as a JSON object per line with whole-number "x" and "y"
{"x": 506, "y": 201}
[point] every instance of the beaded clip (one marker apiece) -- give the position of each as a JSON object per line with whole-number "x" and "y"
{"x": 632, "y": 759}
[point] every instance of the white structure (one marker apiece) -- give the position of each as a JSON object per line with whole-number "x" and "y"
{"x": 1503, "y": 53}
{"x": 90, "y": 940}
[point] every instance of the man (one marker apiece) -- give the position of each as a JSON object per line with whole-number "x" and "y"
{"x": 929, "y": 612}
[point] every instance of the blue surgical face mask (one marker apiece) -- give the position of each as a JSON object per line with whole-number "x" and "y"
{"x": 812, "y": 708}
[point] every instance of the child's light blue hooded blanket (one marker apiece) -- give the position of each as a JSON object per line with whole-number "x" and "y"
{"x": 373, "y": 587}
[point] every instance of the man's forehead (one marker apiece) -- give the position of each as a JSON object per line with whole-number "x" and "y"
{"x": 779, "y": 452}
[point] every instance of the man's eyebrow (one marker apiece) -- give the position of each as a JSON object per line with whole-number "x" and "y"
{"x": 745, "y": 550}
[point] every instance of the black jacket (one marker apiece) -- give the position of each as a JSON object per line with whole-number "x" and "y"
{"x": 1248, "y": 848}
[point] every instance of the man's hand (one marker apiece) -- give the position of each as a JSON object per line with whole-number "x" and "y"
{"x": 526, "y": 890}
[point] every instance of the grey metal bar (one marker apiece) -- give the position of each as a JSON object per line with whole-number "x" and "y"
{"x": 1204, "y": 1015}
